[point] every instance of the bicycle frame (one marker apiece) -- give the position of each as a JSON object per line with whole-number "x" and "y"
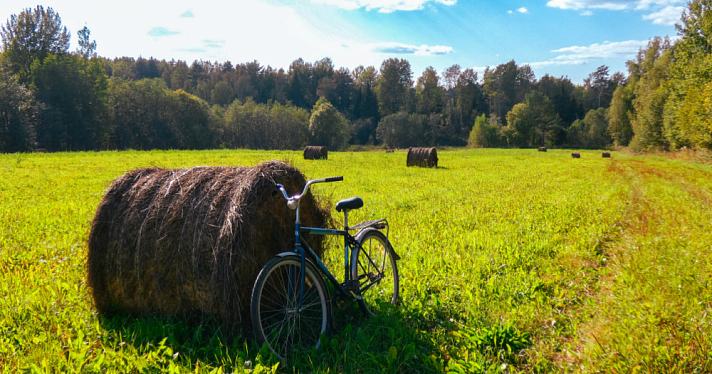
{"x": 349, "y": 243}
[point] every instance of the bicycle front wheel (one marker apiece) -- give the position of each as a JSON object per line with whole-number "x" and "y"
{"x": 277, "y": 318}
{"x": 373, "y": 264}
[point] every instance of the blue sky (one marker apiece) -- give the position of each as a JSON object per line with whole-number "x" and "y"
{"x": 556, "y": 37}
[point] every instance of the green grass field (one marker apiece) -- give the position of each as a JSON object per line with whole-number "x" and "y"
{"x": 512, "y": 261}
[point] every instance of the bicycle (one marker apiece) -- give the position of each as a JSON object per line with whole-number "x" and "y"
{"x": 291, "y": 305}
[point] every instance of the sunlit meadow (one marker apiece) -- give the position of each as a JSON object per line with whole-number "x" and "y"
{"x": 512, "y": 261}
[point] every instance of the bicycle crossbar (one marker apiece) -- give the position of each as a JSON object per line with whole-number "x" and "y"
{"x": 320, "y": 231}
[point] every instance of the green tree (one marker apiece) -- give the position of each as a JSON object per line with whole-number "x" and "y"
{"x": 393, "y": 86}
{"x": 290, "y": 129}
{"x": 562, "y": 94}
{"x": 619, "y": 114}
{"x": 470, "y": 99}
{"x": 686, "y": 119}
{"x": 428, "y": 92}
{"x": 403, "y": 130}
{"x": 486, "y": 133}
{"x": 222, "y": 94}
{"x": 247, "y": 125}
{"x": 647, "y": 74}
{"x": 73, "y": 92}
{"x": 86, "y": 48}
{"x": 300, "y": 82}
{"x": 327, "y": 126}
{"x": 32, "y": 35}
{"x": 137, "y": 118}
{"x": 190, "y": 119}
{"x": 18, "y": 115}
{"x": 365, "y": 104}
{"x": 591, "y": 132}
{"x": 519, "y": 129}
{"x": 507, "y": 85}
{"x": 576, "y": 134}
{"x": 535, "y": 122}
{"x": 597, "y": 125}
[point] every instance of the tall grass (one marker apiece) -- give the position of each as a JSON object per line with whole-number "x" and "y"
{"x": 512, "y": 261}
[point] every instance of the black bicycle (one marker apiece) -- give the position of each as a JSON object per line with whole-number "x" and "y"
{"x": 291, "y": 305}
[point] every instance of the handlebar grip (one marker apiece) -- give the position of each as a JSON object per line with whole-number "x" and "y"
{"x": 334, "y": 179}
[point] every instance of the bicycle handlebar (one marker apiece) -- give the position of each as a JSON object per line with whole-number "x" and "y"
{"x": 306, "y": 187}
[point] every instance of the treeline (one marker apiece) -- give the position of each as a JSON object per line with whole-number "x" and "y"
{"x": 54, "y": 99}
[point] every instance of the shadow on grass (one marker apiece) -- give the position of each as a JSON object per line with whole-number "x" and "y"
{"x": 387, "y": 342}
{"x": 191, "y": 340}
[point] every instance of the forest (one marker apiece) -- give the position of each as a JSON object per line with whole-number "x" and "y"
{"x": 53, "y": 99}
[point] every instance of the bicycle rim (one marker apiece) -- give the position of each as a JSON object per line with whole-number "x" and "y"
{"x": 374, "y": 266}
{"x": 276, "y": 318}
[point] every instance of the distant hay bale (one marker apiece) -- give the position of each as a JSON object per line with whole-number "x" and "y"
{"x": 606, "y": 155}
{"x": 390, "y": 150}
{"x": 423, "y": 157}
{"x": 542, "y": 149}
{"x": 316, "y": 153}
{"x": 576, "y": 155}
{"x": 190, "y": 242}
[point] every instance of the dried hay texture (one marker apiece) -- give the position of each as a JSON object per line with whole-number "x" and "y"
{"x": 316, "y": 153}
{"x": 606, "y": 155}
{"x": 542, "y": 149}
{"x": 191, "y": 242}
{"x": 423, "y": 157}
{"x": 576, "y": 155}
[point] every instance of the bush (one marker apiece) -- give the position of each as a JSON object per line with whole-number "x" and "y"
{"x": 485, "y": 134}
{"x": 327, "y": 126}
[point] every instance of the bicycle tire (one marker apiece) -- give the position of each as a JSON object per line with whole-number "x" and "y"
{"x": 379, "y": 250}
{"x": 272, "y": 297}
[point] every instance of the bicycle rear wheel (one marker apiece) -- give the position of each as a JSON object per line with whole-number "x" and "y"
{"x": 373, "y": 264}
{"x": 276, "y": 317}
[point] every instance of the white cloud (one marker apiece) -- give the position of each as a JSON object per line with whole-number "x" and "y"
{"x": 666, "y": 16}
{"x": 611, "y": 4}
{"x": 510, "y": 12}
{"x": 580, "y": 55}
{"x": 383, "y": 6}
{"x": 591, "y": 4}
{"x": 407, "y": 49}
{"x": 664, "y": 12}
{"x": 522, "y": 10}
{"x": 647, "y": 4}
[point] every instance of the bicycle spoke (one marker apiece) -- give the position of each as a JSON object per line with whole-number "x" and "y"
{"x": 280, "y": 321}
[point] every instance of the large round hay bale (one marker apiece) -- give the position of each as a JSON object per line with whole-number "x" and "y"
{"x": 316, "y": 153}
{"x": 542, "y": 149}
{"x": 606, "y": 155}
{"x": 423, "y": 157}
{"x": 575, "y": 155}
{"x": 190, "y": 242}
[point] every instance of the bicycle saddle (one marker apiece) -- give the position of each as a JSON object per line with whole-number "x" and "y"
{"x": 349, "y": 204}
